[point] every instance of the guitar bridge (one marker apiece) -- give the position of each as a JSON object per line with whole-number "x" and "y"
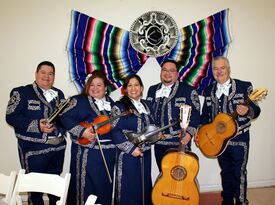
{"x": 175, "y": 196}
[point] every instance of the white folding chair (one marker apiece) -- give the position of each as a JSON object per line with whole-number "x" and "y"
{"x": 41, "y": 182}
{"x": 6, "y": 185}
{"x": 91, "y": 200}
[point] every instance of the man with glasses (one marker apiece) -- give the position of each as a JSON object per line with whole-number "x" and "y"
{"x": 166, "y": 98}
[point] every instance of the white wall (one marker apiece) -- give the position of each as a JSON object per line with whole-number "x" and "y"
{"x": 36, "y": 30}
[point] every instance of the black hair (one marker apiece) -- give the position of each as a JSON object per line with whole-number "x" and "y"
{"x": 125, "y": 99}
{"x": 171, "y": 61}
{"x": 126, "y": 82}
{"x": 48, "y": 63}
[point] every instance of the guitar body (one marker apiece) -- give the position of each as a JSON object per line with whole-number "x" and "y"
{"x": 177, "y": 184}
{"x": 213, "y": 137}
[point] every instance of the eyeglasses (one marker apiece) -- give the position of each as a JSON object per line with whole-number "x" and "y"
{"x": 168, "y": 71}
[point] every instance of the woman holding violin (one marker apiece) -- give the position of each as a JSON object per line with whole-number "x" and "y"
{"x": 92, "y": 149}
{"x": 133, "y": 166}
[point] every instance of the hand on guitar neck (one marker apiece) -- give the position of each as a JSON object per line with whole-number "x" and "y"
{"x": 242, "y": 109}
{"x": 186, "y": 138}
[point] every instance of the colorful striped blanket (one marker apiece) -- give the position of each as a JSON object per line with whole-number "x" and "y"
{"x": 96, "y": 45}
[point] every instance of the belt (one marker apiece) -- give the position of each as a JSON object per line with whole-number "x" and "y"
{"x": 55, "y": 140}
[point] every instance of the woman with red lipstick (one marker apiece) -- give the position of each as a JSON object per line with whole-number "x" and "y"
{"x": 89, "y": 174}
{"x": 133, "y": 167}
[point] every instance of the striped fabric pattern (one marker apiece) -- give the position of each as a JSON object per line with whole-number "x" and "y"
{"x": 198, "y": 43}
{"x": 96, "y": 45}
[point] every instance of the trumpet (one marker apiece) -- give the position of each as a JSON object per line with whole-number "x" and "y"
{"x": 59, "y": 109}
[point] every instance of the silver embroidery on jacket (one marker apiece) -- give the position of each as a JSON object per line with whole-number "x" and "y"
{"x": 195, "y": 99}
{"x": 114, "y": 112}
{"x": 76, "y": 130}
{"x": 31, "y": 139}
{"x": 33, "y": 126}
{"x": 13, "y": 102}
{"x": 34, "y": 105}
{"x": 125, "y": 146}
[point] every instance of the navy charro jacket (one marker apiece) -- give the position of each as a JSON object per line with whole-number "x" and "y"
{"x": 27, "y": 105}
{"x": 167, "y": 109}
{"x": 82, "y": 108}
{"x": 238, "y": 93}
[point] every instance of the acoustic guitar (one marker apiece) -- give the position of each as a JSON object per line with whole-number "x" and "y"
{"x": 177, "y": 184}
{"x": 213, "y": 138}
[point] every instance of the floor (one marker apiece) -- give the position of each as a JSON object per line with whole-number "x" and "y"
{"x": 256, "y": 196}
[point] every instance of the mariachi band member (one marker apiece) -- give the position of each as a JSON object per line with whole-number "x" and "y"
{"x": 227, "y": 95}
{"x": 166, "y": 98}
{"x": 41, "y": 145}
{"x": 90, "y": 168}
{"x": 133, "y": 166}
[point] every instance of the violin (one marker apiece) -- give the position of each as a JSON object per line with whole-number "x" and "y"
{"x": 150, "y": 134}
{"x": 101, "y": 125}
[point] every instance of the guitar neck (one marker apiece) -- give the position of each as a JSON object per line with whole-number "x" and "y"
{"x": 181, "y": 147}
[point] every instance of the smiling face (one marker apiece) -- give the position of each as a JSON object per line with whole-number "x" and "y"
{"x": 44, "y": 77}
{"x": 97, "y": 88}
{"x": 169, "y": 73}
{"x": 221, "y": 70}
{"x": 134, "y": 89}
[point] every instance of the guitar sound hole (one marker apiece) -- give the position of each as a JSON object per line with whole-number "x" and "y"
{"x": 221, "y": 127}
{"x": 178, "y": 173}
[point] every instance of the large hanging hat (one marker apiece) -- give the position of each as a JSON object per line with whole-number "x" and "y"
{"x": 154, "y": 33}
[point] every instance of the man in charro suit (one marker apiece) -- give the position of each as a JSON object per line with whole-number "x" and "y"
{"x": 227, "y": 95}
{"x": 41, "y": 145}
{"x": 166, "y": 98}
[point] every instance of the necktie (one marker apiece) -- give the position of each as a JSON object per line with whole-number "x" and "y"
{"x": 223, "y": 89}
{"x": 102, "y": 104}
{"x": 50, "y": 94}
{"x": 163, "y": 92}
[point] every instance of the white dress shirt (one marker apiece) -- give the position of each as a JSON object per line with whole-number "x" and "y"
{"x": 50, "y": 94}
{"x": 164, "y": 91}
{"x": 139, "y": 106}
{"x": 223, "y": 89}
{"x": 102, "y": 104}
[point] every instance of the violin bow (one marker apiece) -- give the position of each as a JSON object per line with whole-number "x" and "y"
{"x": 103, "y": 157}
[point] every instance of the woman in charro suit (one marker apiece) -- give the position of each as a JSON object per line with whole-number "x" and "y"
{"x": 88, "y": 172}
{"x": 132, "y": 160}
